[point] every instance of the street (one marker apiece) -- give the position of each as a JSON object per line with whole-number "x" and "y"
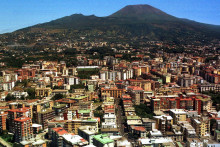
{"x": 120, "y": 117}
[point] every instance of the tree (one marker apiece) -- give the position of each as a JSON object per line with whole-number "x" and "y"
{"x": 57, "y": 96}
{"x": 31, "y": 93}
{"x": 57, "y": 87}
{"x": 212, "y": 129}
{"x": 40, "y": 131}
{"x": 10, "y": 97}
{"x": 78, "y": 86}
{"x": 143, "y": 111}
{"x": 22, "y": 97}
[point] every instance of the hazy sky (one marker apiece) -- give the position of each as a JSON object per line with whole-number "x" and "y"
{"x": 16, "y": 14}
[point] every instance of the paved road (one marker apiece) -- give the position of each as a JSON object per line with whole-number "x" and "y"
{"x": 119, "y": 117}
{"x": 120, "y": 122}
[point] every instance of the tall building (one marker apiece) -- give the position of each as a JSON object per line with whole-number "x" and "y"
{"x": 56, "y": 137}
{"x": 136, "y": 93}
{"x": 178, "y": 115}
{"x": 23, "y": 129}
{"x": 61, "y": 138}
{"x": 163, "y": 123}
{"x": 102, "y": 140}
{"x": 3, "y": 117}
{"x": 114, "y": 92}
{"x": 73, "y": 125}
{"x": 39, "y": 106}
{"x": 16, "y": 113}
{"x": 44, "y": 116}
{"x": 186, "y": 80}
{"x": 144, "y": 84}
{"x": 155, "y": 105}
{"x": 87, "y": 132}
{"x": 202, "y": 126}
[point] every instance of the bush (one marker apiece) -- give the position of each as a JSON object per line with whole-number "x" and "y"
{"x": 10, "y": 97}
{"x": 143, "y": 111}
{"x": 58, "y": 96}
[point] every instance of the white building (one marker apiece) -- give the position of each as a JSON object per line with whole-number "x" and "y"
{"x": 19, "y": 94}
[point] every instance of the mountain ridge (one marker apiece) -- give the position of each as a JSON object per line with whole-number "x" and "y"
{"x": 134, "y": 21}
{"x": 141, "y": 10}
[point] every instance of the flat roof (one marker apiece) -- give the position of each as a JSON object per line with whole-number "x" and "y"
{"x": 59, "y": 106}
{"x": 147, "y": 141}
{"x": 178, "y": 111}
{"x": 84, "y": 111}
{"x": 74, "y": 139}
{"x": 134, "y": 122}
{"x": 103, "y": 138}
{"x": 36, "y": 125}
{"x": 133, "y": 117}
{"x": 45, "y": 111}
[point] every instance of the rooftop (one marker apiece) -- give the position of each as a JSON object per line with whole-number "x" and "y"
{"x": 22, "y": 119}
{"x": 84, "y": 111}
{"x": 103, "y": 138}
{"x": 60, "y": 131}
{"x": 75, "y": 139}
{"x": 43, "y": 111}
{"x": 133, "y": 118}
{"x": 178, "y": 111}
{"x": 147, "y": 141}
{"x": 59, "y": 106}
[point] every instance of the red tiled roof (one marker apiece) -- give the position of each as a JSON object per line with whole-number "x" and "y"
{"x": 142, "y": 129}
{"x": 60, "y": 130}
{"x": 4, "y": 107}
{"x": 25, "y": 109}
{"x": 135, "y": 88}
{"x": 127, "y": 101}
{"x": 109, "y": 111}
{"x": 189, "y": 99}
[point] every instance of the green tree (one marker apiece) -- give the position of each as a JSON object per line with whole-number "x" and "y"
{"x": 10, "y": 97}
{"x": 143, "y": 111}
{"x": 57, "y": 87}
{"x": 22, "y": 97}
{"x": 78, "y": 86}
{"x": 58, "y": 96}
{"x": 31, "y": 93}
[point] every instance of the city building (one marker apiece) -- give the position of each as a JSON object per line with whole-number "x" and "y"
{"x": 23, "y": 129}
{"x": 102, "y": 140}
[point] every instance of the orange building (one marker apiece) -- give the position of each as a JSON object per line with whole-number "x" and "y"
{"x": 25, "y": 73}
{"x": 114, "y": 92}
{"x": 16, "y": 113}
{"x": 145, "y": 84}
{"x": 3, "y": 116}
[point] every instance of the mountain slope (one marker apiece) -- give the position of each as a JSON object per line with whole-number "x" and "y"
{"x": 142, "y": 12}
{"x": 133, "y": 21}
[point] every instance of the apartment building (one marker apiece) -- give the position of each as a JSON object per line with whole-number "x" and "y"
{"x": 73, "y": 125}
{"x": 23, "y": 130}
{"x": 102, "y": 140}
{"x": 16, "y": 113}
{"x": 114, "y": 92}
{"x": 178, "y": 115}
{"x": 44, "y": 116}
{"x": 202, "y": 126}
{"x": 3, "y": 117}
{"x": 136, "y": 93}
